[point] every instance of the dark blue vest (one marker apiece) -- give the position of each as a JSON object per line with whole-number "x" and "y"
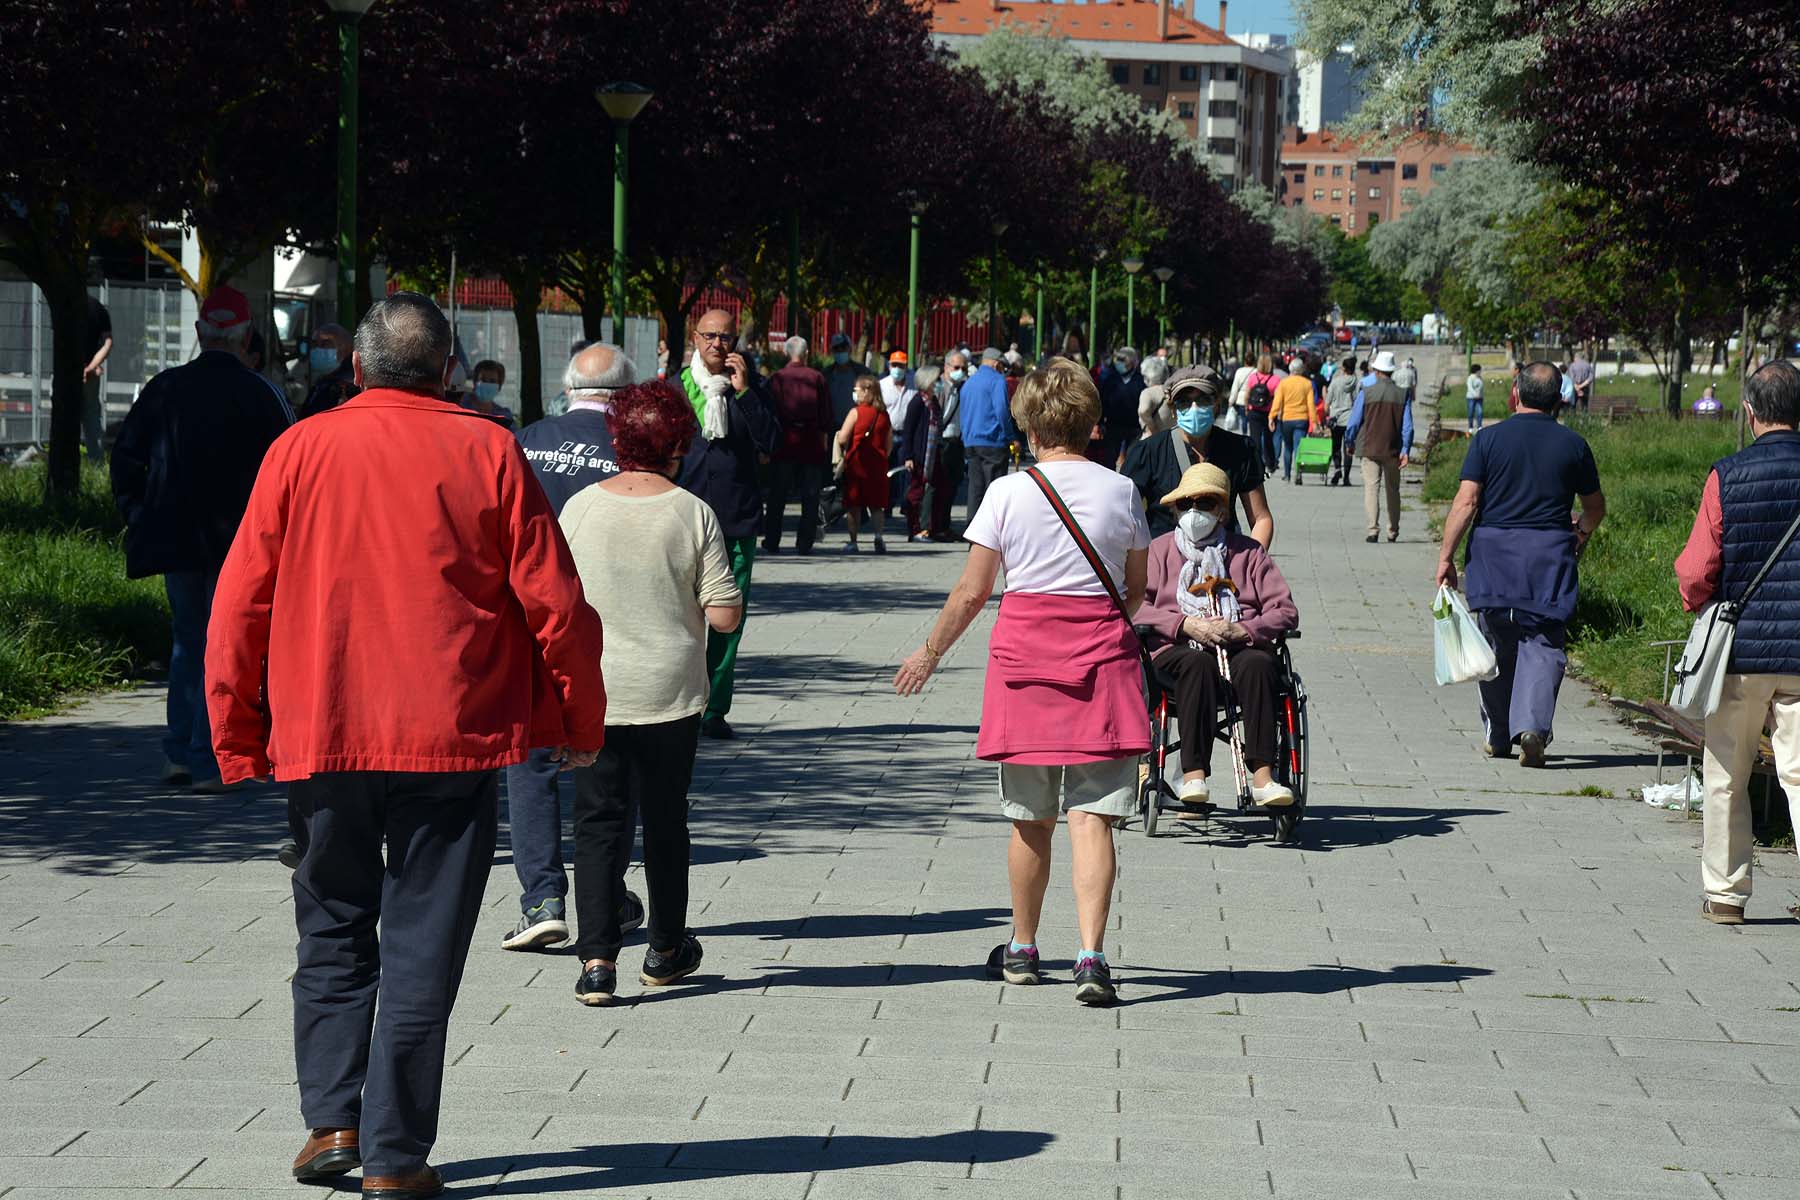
{"x": 1759, "y": 492}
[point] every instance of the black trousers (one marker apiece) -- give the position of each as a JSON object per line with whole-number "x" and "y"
{"x": 1340, "y": 454}
{"x": 643, "y": 770}
{"x": 786, "y": 478}
{"x": 1199, "y": 691}
{"x": 986, "y": 464}
{"x": 370, "y": 1013}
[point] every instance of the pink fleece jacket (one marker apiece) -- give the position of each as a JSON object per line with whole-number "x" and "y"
{"x": 1263, "y": 595}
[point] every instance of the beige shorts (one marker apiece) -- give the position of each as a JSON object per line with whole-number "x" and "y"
{"x": 1107, "y": 788}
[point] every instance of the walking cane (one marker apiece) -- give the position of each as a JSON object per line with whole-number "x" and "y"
{"x": 1239, "y": 774}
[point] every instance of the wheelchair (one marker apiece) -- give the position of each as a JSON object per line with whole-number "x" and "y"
{"x": 1157, "y": 795}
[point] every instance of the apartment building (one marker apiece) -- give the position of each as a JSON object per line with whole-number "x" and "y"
{"x": 1229, "y": 97}
{"x": 1356, "y": 185}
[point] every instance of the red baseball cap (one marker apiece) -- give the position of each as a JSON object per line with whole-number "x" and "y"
{"x": 226, "y": 308}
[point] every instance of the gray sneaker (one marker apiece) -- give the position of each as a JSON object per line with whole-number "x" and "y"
{"x": 538, "y": 927}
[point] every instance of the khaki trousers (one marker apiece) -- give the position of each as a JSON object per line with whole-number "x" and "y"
{"x": 1733, "y": 734}
{"x": 1376, "y": 472}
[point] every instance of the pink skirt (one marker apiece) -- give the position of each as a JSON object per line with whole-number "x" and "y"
{"x": 1063, "y": 684}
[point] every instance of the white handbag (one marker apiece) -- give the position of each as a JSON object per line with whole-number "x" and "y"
{"x": 1700, "y": 674}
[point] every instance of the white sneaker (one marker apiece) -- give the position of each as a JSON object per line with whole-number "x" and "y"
{"x": 1272, "y": 795}
{"x": 1195, "y": 791}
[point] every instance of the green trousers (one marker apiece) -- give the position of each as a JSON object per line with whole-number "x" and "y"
{"x": 722, "y": 648}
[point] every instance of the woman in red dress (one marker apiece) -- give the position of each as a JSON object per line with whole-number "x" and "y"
{"x": 865, "y": 439}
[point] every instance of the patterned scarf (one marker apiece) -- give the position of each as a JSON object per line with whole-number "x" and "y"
{"x": 1205, "y": 562}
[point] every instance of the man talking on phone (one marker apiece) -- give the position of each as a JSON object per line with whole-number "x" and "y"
{"x": 738, "y": 424}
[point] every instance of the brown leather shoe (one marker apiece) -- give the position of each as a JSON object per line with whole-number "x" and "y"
{"x": 1721, "y": 914}
{"x": 415, "y": 1185}
{"x": 327, "y": 1154}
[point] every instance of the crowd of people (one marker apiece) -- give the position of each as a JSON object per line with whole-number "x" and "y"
{"x": 569, "y": 599}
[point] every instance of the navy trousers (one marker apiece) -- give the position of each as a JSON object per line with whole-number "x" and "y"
{"x": 370, "y": 1013}
{"x": 534, "y": 814}
{"x": 1522, "y": 699}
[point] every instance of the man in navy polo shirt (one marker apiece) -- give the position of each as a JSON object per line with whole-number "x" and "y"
{"x": 1520, "y": 481}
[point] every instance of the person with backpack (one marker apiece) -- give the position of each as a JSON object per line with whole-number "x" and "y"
{"x": 1259, "y": 401}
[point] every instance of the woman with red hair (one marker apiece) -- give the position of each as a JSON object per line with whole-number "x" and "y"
{"x": 653, "y": 557}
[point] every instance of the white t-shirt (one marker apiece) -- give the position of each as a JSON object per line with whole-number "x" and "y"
{"x": 898, "y": 397}
{"x": 1475, "y": 387}
{"x": 1037, "y": 552}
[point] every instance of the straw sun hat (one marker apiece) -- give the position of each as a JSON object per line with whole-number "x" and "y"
{"x": 1201, "y": 479}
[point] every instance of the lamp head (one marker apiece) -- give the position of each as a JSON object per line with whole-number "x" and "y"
{"x": 350, "y": 8}
{"x": 1000, "y": 226}
{"x": 1132, "y": 265}
{"x": 623, "y": 100}
{"x": 1164, "y": 274}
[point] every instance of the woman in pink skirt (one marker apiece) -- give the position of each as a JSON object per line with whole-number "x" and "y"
{"x": 1063, "y": 711}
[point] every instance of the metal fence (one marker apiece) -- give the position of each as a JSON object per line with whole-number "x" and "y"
{"x": 153, "y": 330}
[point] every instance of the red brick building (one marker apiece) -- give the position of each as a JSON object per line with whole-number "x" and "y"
{"x": 1230, "y": 98}
{"x": 1356, "y": 185}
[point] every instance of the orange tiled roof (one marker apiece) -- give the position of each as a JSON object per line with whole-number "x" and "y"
{"x": 1111, "y": 21}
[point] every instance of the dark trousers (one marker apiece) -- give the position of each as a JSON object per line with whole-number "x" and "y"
{"x": 1340, "y": 455}
{"x": 1289, "y": 436}
{"x": 188, "y": 741}
{"x": 534, "y": 815}
{"x": 940, "y": 491}
{"x": 786, "y": 478}
{"x": 370, "y": 1013}
{"x": 1199, "y": 690}
{"x": 643, "y": 771}
{"x": 986, "y": 464}
{"x": 1263, "y": 438}
{"x": 1532, "y": 659}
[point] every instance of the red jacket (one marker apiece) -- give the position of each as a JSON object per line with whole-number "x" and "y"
{"x": 399, "y": 597}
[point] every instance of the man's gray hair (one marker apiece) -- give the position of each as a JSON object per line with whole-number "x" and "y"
{"x": 236, "y": 336}
{"x": 1156, "y": 370}
{"x": 795, "y": 349}
{"x": 616, "y": 372}
{"x": 403, "y": 342}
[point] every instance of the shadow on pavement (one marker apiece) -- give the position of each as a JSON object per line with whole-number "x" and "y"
{"x": 644, "y": 1165}
{"x": 1317, "y": 980}
{"x": 843, "y": 925}
{"x": 1591, "y": 762}
{"x": 1326, "y": 827}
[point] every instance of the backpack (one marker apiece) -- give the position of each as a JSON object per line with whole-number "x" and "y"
{"x": 1259, "y": 398}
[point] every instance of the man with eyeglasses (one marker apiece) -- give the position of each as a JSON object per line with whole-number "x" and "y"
{"x": 739, "y": 426}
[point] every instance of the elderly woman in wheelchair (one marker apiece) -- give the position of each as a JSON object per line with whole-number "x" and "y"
{"x": 1216, "y": 608}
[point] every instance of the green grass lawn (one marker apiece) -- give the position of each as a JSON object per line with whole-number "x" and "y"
{"x": 70, "y": 621}
{"x": 1651, "y": 470}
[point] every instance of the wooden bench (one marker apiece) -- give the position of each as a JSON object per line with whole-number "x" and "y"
{"x": 1616, "y": 408}
{"x": 1678, "y": 734}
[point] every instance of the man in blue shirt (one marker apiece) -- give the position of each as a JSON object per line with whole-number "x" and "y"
{"x": 1519, "y": 482}
{"x": 987, "y": 428}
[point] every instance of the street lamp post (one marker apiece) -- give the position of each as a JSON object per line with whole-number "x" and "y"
{"x": 1093, "y": 347}
{"x": 1132, "y": 267}
{"x": 1163, "y": 275}
{"x": 622, "y": 102}
{"x": 349, "y": 14}
{"x": 1000, "y": 227}
{"x": 1037, "y": 330}
{"x": 912, "y": 287}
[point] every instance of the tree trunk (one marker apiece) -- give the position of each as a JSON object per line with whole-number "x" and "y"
{"x": 527, "y": 297}
{"x": 67, "y": 298}
{"x": 1678, "y": 362}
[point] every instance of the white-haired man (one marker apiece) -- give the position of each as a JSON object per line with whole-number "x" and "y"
{"x": 802, "y": 401}
{"x": 186, "y": 459}
{"x": 567, "y": 453}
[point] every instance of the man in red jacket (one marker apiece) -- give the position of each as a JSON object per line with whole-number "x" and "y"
{"x": 398, "y": 617}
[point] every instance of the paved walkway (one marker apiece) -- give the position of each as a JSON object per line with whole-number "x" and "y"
{"x": 1469, "y": 980}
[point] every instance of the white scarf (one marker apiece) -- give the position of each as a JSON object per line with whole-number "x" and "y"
{"x": 1205, "y": 560}
{"x": 717, "y": 389}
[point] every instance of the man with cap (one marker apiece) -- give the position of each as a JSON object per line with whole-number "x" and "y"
{"x": 987, "y": 428}
{"x": 898, "y": 393}
{"x": 1380, "y": 430}
{"x": 1156, "y": 464}
{"x": 841, "y": 375}
{"x": 182, "y": 470}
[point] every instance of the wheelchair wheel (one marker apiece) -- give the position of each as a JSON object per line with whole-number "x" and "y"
{"x": 1292, "y": 758}
{"x": 1149, "y": 798}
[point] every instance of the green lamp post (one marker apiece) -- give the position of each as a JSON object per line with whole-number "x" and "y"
{"x": 349, "y": 15}
{"x": 622, "y": 102}
{"x": 1093, "y": 347}
{"x": 1037, "y": 329}
{"x": 1000, "y": 226}
{"x": 916, "y": 212}
{"x": 1132, "y": 267}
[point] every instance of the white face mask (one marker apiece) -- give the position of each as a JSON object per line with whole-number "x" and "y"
{"x": 1198, "y": 524}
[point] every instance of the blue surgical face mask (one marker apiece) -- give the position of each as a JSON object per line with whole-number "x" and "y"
{"x": 840, "y": 357}
{"x": 323, "y": 358}
{"x": 1196, "y": 420}
{"x": 957, "y": 374}
{"x": 897, "y": 374}
{"x": 486, "y": 390}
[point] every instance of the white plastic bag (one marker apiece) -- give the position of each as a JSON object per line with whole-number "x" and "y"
{"x": 1463, "y": 653}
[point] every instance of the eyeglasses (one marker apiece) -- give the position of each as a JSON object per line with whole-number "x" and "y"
{"x": 722, "y": 336}
{"x": 1189, "y": 399}
{"x": 1205, "y": 504}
